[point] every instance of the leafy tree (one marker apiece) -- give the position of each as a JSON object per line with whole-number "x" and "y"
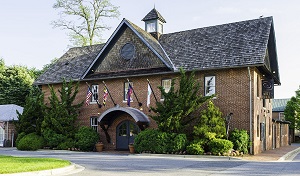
{"x": 292, "y": 111}
{"x": 210, "y": 121}
{"x": 89, "y": 17}
{"x": 15, "y": 84}
{"x": 59, "y": 122}
{"x": 175, "y": 113}
{"x": 30, "y": 121}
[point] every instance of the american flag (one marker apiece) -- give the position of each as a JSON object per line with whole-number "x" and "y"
{"x": 88, "y": 96}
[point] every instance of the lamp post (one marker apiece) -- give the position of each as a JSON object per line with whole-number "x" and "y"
{"x": 227, "y": 120}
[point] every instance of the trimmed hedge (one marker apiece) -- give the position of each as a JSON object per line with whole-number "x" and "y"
{"x": 220, "y": 146}
{"x": 195, "y": 148}
{"x": 240, "y": 140}
{"x": 155, "y": 141}
{"x": 30, "y": 142}
{"x": 86, "y": 138}
{"x": 20, "y": 136}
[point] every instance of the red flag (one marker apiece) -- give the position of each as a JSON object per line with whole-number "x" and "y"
{"x": 105, "y": 94}
{"x": 88, "y": 96}
{"x": 129, "y": 94}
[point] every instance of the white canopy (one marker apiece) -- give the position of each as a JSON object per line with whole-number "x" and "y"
{"x": 9, "y": 112}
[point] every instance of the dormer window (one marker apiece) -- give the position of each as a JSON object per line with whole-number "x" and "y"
{"x": 151, "y": 27}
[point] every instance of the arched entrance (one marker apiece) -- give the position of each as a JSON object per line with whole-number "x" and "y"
{"x": 126, "y": 132}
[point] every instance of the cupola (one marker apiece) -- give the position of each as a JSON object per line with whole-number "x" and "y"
{"x": 154, "y": 23}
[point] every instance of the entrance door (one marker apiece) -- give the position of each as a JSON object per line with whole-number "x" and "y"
{"x": 2, "y": 133}
{"x": 126, "y": 131}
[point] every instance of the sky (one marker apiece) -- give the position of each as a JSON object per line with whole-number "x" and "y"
{"x": 28, "y": 38}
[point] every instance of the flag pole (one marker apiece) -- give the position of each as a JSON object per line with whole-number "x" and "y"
{"x": 152, "y": 90}
{"x": 109, "y": 94}
{"x": 99, "y": 105}
{"x": 140, "y": 104}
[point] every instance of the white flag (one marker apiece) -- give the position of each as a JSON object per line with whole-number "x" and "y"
{"x": 148, "y": 96}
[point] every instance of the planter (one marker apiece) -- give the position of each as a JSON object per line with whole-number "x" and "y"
{"x": 99, "y": 147}
{"x": 131, "y": 148}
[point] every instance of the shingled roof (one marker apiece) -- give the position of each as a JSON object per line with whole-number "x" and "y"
{"x": 238, "y": 44}
{"x": 278, "y": 105}
{"x": 154, "y": 14}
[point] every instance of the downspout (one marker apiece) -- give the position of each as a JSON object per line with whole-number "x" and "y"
{"x": 250, "y": 107}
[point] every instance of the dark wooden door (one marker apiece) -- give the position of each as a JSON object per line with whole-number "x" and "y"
{"x": 126, "y": 131}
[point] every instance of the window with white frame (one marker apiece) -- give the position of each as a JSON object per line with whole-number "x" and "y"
{"x": 209, "y": 85}
{"x": 166, "y": 84}
{"x": 151, "y": 27}
{"x": 94, "y": 123}
{"x": 126, "y": 86}
{"x": 95, "y": 91}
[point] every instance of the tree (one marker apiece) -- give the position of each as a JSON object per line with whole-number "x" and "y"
{"x": 175, "y": 113}
{"x": 15, "y": 83}
{"x": 30, "y": 121}
{"x": 89, "y": 23}
{"x": 292, "y": 111}
{"x": 59, "y": 121}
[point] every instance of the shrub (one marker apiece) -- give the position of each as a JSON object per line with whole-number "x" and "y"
{"x": 195, "y": 148}
{"x": 31, "y": 142}
{"x": 86, "y": 138}
{"x": 240, "y": 140}
{"x": 220, "y": 146}
{"x": 20, "y": 136}
{"x": 177, "y": 142}
{"x": 69, "y": 143}
{"x": 53, "y": 140}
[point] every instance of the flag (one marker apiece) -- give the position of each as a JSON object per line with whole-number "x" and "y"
{"x": 149, "y": 96}
{"x": 88, "y": 96}
{"x": 105, "y": 94}
{"x": 129, "y": 94}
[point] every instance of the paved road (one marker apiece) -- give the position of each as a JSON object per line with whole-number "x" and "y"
{"x": 109, "y": 164}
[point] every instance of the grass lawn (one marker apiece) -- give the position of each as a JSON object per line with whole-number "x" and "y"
{"x": 11, "y": 164}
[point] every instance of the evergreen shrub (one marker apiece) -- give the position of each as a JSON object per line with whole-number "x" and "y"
{"x": 240, "y": 140}
{"x": 86, "y": 138}
{"x": 20, "y": 136}
{"x": 195, "y": 148}
{"x": 220, "y": 146}
{"x": 31, "y": 142}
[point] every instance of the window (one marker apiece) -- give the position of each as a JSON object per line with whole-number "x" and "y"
{"x": 166, "y": 84}
{"x": 95, "y": 91}
{"x": 94, "y": 123}
{"x": 281, "y": 116}
{"x": 257, "y": 125}
{"x": 126, "y": 86}
{"x": 264, "y": 103}
{"x": 257, "y": 86}
{"x": 151, "y": 27}
{"x": 161, "y": 28}
{"x": 210, "y": 85}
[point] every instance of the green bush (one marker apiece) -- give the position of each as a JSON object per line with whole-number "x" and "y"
{"x": 86, "y": 138}
{"x": 20, "y": 136}
{"x": 155, "y": 141}
{"x": 195, "y": 148}
{"x": 53, "y": 140}
{"x": 68, "y": 144}
{"x": 31, "y": 142}
{"x": 240, "y": 140}
{"x": 219, "y": 146}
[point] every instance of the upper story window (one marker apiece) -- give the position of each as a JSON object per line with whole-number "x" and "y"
{"x": 209, "y": 85}
{"x": 257, "y": 86}
{"x": 166, "y": 84}
{"x": 151, "y": 27}
{"x": 95, "y": 91}
{"x": 94, "y": 123}
{"x": 126, "y": 87}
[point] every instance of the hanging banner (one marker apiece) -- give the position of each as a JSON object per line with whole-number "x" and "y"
{"x": 268, "y": 89}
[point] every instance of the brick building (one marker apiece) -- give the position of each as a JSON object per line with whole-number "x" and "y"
{"x": 237, "y": 62}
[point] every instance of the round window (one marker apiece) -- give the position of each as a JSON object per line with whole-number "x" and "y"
{"x": 127, "y": 51}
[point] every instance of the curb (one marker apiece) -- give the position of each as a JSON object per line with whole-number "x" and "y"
{"x": 73, "y": 168}
{"x": 290, "y": 155}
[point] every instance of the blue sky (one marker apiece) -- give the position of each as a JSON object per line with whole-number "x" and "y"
{"x": 27, "y": 37}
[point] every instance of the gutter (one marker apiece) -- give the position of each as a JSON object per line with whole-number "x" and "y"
{"x": 250, "y": 114}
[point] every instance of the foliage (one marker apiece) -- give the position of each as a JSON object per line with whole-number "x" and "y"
{"x": 220, "y": 146}
{"x": 86, "y": 138}
{"x": 195, "y": 148}
{"x": 15, "y": 83}
{"x": 175, "y": 113}
{"x": 240, "y": 140}
{"x": 33, "y": 113}
{"x": 210, "y": 120}
{"x": 67, "y": 144}
{"x": 14, "y": 164}
{"x": 292, "y": 111}
{"x": 60, "y": 116}
{"x": 88, "y": 22}
{"x": 155, "y": 141}
{"x": 20, "y": 136}
{"x": 30, "y": 142}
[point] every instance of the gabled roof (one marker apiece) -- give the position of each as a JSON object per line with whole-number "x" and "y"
{"x": 278, "y": 105}
{"x": 154, "y": 14}
{"x": 9, "y": 112}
